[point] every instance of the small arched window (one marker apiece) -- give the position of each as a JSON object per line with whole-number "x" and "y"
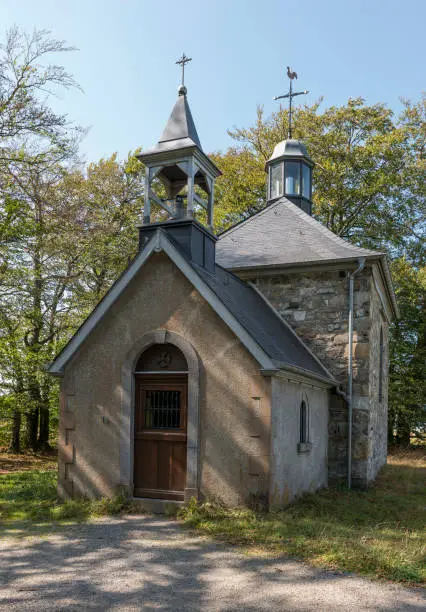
{"x": 381, "y": 350}
{"x": 303, "y": 423}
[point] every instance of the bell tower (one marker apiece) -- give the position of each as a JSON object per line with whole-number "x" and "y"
{"x": 178, "y": 164}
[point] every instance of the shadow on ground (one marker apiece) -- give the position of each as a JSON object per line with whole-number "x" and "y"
{"x": 149, "y": 563}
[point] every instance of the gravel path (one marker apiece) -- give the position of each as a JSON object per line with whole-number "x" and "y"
{"x": 146, "y": 563}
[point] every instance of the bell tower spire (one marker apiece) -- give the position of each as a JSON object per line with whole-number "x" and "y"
{"x": 177, "y": 164}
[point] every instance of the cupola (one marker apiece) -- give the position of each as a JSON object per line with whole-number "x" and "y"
{"x": 290, "y": 174}
{"x": 290, "y": 167}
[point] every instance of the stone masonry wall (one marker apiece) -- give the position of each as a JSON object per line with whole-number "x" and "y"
{"x": 378, "y": 432}
{"x": 315, "y": 304}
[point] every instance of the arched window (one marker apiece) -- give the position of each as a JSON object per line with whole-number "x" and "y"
{"x": 381, "y": 350}
{"x": 303, "y": 423}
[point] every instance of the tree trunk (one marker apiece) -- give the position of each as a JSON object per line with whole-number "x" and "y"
{"x": 43, "y": 436}
{"x": 403, "y": 430}
{"x": 391, "y": 427}
{"x": 15, "y": 439}
{"x": 31, "y": 427}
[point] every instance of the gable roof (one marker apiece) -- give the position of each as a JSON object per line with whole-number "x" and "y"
{"x": 282, "y": 234}
{"x": 264, "y": 334}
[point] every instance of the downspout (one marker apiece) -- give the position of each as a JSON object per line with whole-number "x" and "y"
{"x": 361, "y": 265}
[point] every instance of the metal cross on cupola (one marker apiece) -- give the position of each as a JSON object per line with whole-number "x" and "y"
{"x": 179, "y": 177}
{"x": 182, "y": 61}
{"x": 290, "y": 95}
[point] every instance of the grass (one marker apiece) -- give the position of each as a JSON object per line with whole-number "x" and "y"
{"x": 30, "y": 496}
{"x": 378, "y": 533}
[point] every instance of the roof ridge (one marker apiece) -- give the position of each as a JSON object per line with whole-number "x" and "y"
{"x": 267, "y": 208}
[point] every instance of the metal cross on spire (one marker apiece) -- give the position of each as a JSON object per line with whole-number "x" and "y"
{"x": 290, "y": 95}
{"x": 182, "y": 61}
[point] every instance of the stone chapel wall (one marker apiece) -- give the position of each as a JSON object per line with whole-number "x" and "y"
{"x": 378, "y": 432}
{"x": 315, "y": 304}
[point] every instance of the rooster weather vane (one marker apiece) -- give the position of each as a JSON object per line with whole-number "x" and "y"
{"x": 290, "y": 95}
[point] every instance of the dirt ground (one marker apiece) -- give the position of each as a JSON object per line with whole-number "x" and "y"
{"x": 147, "y": 563}
{"x": 10, "y": 462}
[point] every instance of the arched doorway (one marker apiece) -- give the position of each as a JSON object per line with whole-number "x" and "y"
{"x": 160, "y": 423}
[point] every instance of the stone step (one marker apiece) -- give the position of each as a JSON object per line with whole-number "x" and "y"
{"x": 157, "y": 506}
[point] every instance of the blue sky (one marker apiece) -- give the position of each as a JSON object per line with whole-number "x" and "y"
{"x": 127, "y": 52}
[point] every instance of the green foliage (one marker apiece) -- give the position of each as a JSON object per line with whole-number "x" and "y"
{"x": 240, "y": 191}
{"x": 378, "y": 533}
{"x": 35, "y": 145}
{"x": 66, "y": 233}
{"x": 370, "y": 188}
{"x": 368, "y": 180}
{"x": 407, "y": 390}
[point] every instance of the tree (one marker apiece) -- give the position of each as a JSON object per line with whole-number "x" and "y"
{"x": 39, "y": 267}
{"x": 407, "y": 390}
{"x": 25, "y": 87}
{"x": 370, "y": 188}
{"x": 33, "y": 141}
{"x": 76, "y": 236}
{"x": 362, "y": 155}
{"x": 240, "y": 191}
{"x": 111, "y": 194}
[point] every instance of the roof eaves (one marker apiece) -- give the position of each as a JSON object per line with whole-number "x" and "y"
{"x": 284, "y": 367}
{"x": 387, "y": 276}
{"x": 302, "y": 264}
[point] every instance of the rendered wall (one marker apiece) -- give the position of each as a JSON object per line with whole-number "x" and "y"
{"x": 234, "y": 397}
{"x": 294, "y": 472}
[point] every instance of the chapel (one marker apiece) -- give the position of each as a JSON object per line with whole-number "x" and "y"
{"x": 248, "y": 367}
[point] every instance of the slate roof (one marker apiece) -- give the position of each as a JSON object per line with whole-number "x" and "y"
{"x": 283, "y": 234}
{"x": 263, "y": 324}
{"x": 180, "y": 131}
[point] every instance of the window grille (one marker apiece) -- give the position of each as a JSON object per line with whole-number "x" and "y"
{"x": 162, "y": 410}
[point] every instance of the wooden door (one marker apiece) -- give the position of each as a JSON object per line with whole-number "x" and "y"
{"x": 160, "y": 435}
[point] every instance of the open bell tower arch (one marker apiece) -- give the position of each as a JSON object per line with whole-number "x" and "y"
{"x": 180, "y": 164}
